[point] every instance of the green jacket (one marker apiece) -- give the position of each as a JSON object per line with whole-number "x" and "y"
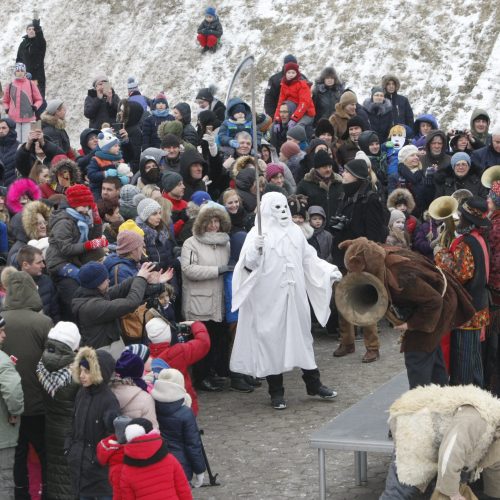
{"x": 27, "y": 329}
{"x": 11, "y": 401}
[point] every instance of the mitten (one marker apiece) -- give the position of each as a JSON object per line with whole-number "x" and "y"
{"x": 277, "y": 128}
{"x": 101, "y": 242}
{"x": 234, "y": 143}
{"x": 124, "y": 179}
{"x": 111, "y": 172}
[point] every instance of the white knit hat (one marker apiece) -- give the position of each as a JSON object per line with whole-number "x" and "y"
{"x": 406, "y": 151}
{"x": 158, "y": 331}
{"x": 133, "y": 431}
{"x": 396, "y": 215}
{"x": 361, "y": 155}
{"x": 147, "y": 207}
{"x": 169, "y": 387}
{"x": 67, "y": 333}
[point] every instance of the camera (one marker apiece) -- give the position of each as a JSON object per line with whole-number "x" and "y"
{"x": 184, "y": 333}
{"x": 459, "y": 132}
{"x": 339, "y": 222}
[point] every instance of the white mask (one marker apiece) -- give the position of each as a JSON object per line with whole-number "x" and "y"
{"x": 398, "y": 140}
{"x": 275, "y": 207}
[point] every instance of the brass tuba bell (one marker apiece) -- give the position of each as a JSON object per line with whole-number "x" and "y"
{"x": 490, "y": 175}
{"x": 442, "y": 209}
{"x": 361, "y": 298}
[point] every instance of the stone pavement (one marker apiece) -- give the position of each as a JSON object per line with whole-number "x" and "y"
{"x": 261, "y": 453}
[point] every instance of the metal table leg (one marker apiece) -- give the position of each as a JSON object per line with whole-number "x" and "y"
{"x": 357, "y": 467}
{"x": 322, "y": 474}
{"x": 364, "y": 466}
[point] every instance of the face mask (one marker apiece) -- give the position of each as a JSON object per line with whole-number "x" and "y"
{"x": 398, "y": 140}
{"x": 153, "y": 176}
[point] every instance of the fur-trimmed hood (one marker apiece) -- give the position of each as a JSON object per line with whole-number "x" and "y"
{"x": 401, "y": 195}
{"x": 376, "y": 108}
{"x": 53, "y": 121}
{"x": 71, "y": 166}
{"x": 19, "y": 188}
{"x": 387, "y": 78}
{"x": 30, "y": 211}
{"x": 247, "y": 161}
{"x": 101, "y": 365}
{"x": 329, "y": 72}
{"x": 192, "y": 209}
{"x": 204, "y": 217}
{"x": 421, "y": 417}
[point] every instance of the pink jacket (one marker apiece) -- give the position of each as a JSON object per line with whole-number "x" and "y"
{"x": 19, "y": 98}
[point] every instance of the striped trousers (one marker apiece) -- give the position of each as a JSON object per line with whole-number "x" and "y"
{"x": 466, "y": 366}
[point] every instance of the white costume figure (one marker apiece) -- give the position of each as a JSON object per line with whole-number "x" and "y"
{"x": 271, "y": 288}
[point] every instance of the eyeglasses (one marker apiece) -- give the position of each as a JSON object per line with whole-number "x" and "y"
{"x": 41, "y": 223}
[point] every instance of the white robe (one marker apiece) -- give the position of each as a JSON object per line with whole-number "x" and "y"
{"x": 274, "y": 320}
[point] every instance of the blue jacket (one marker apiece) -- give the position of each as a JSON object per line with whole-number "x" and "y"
{"x": 178, "y": 426}
{"x": 230, "y": 128}
{"x": 485, "y": 157}
{"x": 50, "y": 299}
{"x": 150, "y": 125}
{"x": 127, "y": 268}
{"x": 419, "y": 139}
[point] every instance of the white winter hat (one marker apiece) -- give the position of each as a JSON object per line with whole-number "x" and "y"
{"x": 67, "y": 333}
{"x": 158, "y": 331}
{"x": 134, "y": 430}
{"x": 396, "y": 215}
{"x": 42, "y": 244}
{"x": 169, "y": 387}
{"x": 106, "y": 140}
{"x": 132, "y": 83}
{"x": 406, "y": 151}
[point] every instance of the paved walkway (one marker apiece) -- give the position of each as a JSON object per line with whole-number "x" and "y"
{"x": 261, "y": 453}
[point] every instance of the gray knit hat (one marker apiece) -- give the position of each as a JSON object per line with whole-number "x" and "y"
{"x": 128, "y": 192}
{"x": 169, "y": 180}
{"x": 147, "y": 207}
{"x": 53, "y": 105}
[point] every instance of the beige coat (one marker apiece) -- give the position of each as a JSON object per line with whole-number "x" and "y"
{"x": 201, "y": 257}
{"x": 134, "y": 402}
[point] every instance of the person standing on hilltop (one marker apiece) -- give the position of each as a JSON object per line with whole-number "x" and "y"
{"x": 31, "y": 52}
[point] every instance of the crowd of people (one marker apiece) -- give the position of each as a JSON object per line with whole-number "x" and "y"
{"x": 119, "y": 252}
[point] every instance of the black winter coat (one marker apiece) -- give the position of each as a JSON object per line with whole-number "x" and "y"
{"x": 84, "y": 160}
{"x": 325, "y": 98}
{"x": 95, "y": 409}
{"x": 365, "y": 215}
{"x": 150, "y": 125}
{"x": 26, "y": 159}
{"x": 31, "y": 52}
{"x": 327, "y": 197}
{"x": 189, "y": 133}
{"x": 58, "y": 420}
{"x": 379, "y": 117}
{"x": 98, "y": 110}
{"x": 8, "y": 148}
{"x": 98, "y": 315}
{"x": 178, "y": 426}
{"x": 447, "y": 182}
{"x": 213, "y": 28}
{"x": 50, "y": 299}
{"x": 18, "y": 235}
{"x": 54, "y": 131}
{"x": 401, "y": 110}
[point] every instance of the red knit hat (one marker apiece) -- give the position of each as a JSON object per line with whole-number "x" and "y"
{"x": 292, "y": 65}
{"x": 79, "y": 196}
{"x": 289, "y": 149}
{"x": 273, "y": 169}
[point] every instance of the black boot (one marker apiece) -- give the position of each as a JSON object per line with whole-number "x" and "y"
{"x": 239, "y": 384}
{"x": 254, "y": 382}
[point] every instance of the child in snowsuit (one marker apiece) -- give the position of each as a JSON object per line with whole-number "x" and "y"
{"x": 391, "y": 149}
{"x": 210, "y": 30}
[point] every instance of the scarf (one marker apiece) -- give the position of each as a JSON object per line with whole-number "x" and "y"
{"x": 108, "y": 156}
{"x": 161, "y": 113}
{"x": 352, "y": 187}
{"x": 53, "y": 381}
{"x": 83, "y": 222}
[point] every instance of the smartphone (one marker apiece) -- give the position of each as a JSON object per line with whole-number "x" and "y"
{"x": 106, "y": 87}
{"x": 36, "y": 125}
{"x": 117, "y": 127}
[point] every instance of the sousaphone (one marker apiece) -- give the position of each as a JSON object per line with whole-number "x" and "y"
{"x": 442, "y": 209}
{"x": 490, "y": 175}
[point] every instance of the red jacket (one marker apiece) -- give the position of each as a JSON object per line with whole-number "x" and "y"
{"x": 299, "y": 92}
{"x": 111, "y": 454}
{"x": 177, "y": 206}
{"x": 182, "y": 356}
{"x": 150, "y": 472}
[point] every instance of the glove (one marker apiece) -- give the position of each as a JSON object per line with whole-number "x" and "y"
{"x": 183, "y": 215}
{"x": 429, "y": 176}
{"x": 335, "y": 276}
{"x": 197, "y": 480}
{"x": 124, "y": 179}
{"x": 259, "y": 242}
{"x": 291, "y": 124}
{"x": 101, "y": 242}
{"x": 225, "y": 269}
{"x": 234, "y": 143}
{"x": 210, "y": 138}
{"x": 111, "y": 172}
{"x": 277, "y": 128}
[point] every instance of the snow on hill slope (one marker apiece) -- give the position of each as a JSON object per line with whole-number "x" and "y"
{"x": 447, "y": 52}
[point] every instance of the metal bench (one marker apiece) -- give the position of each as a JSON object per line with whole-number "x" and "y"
{"x": 361, "y": 428}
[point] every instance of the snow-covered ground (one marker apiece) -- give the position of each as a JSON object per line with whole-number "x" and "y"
{"x": 447, "y": 52}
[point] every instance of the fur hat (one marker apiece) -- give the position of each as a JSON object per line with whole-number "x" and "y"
{"x": 358, "y": 168}
{"x": 128, "y": 241}
{"x": 19, "y": 188}
{"x": 406, "y": 151}
{"x": 322, "y": 159}
{"x": 169, "y": 180}
{"x": 132, "y": 83}
{"x": 460, "y": 156}
{"x": 140, "y": 350}
{"x": 137, "y": 427}
{"x": 92, "y": 275}
{"x": 395, "y": 215}
{"x": 298, "y": 133}
{"x": 348, "y": 97}
{"x": 79, "y": 196}
{"x": 67, "y": 333}
{"x": 401, "y": 196}
{"x": 169, "y": 387}
{"x": 29, "y": 217}
{"x": 273, "y": 169}
{"x": 289, "y": 149}
{"x": 298, "y": 205}
{"x": 106, "y": 140}
{"x": 146, "y": 208}
{"x": 158, "y": 330}
{"x": 53, "y": 105}
{"x": 355, "y": 121}
{"x": 324, "y": 127}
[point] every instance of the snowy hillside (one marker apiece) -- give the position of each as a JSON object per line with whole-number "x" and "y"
{"x": 446, "y": 53}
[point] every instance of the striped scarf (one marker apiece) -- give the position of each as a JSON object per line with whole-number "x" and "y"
{"x": 53, "y": 381}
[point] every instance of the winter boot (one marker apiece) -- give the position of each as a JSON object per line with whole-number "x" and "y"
{"x": 239, "y": 384}
{"x": 323, "y": 392}
{"x": 370, "y": 356}
{"x": 278, "y": 403}
{"x": 343, "y": 350}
